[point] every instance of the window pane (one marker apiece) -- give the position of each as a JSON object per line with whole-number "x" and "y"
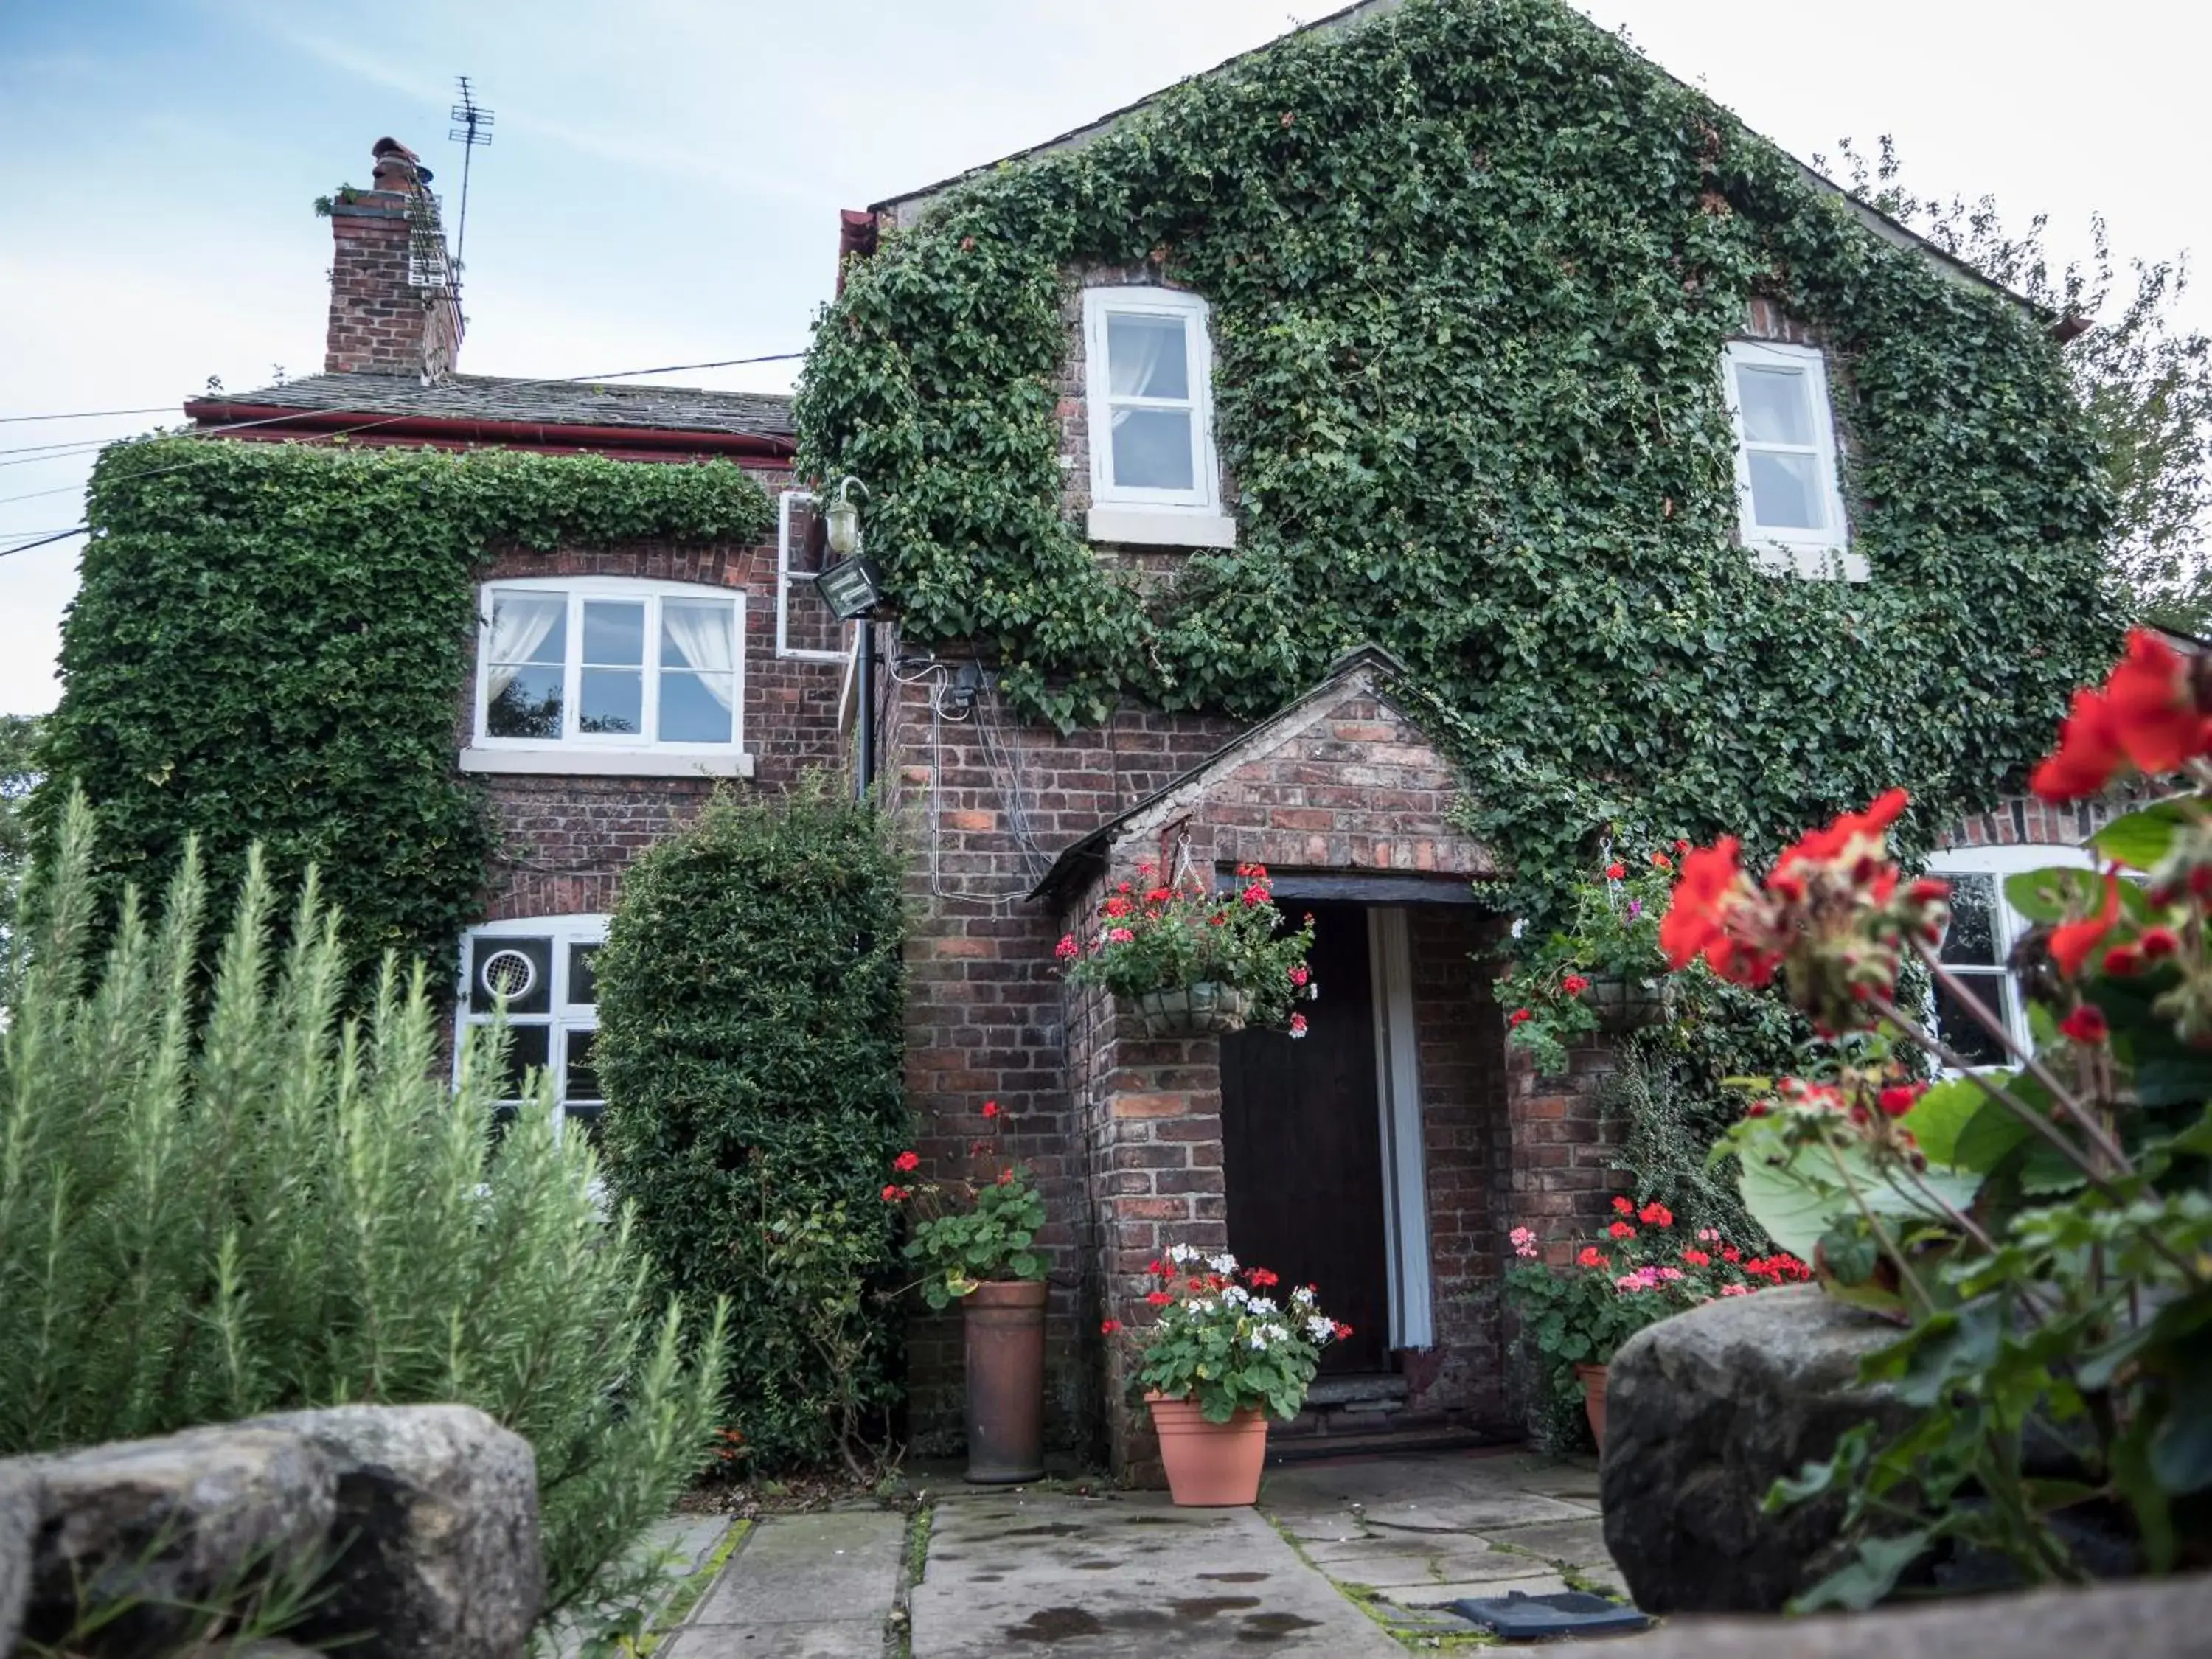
{"x": 528, "y": 627}
{"x": 1971, "y": 938}
{"x": 583, "y": 974}
{"x": 527, "y": 1047}
{"x": 1146, "y": 357}
{"x": 582, "y": 1083}
{"x": 697, "y": 634}
{"x": 1785, "y": 491}
{"x": 613, "y": 699}
{"x": 1152, "y": 448}
{"x": 695, "y": 708}
{"x": 525, "y": 702}
{"x": 1778, "y": 405}
{"x": 1959, "y": 1029}
{"x": 614, "y": 632}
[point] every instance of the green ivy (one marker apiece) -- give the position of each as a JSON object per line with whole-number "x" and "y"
{"x": 270, "y": 644}
{"x": 1472, "y": 265}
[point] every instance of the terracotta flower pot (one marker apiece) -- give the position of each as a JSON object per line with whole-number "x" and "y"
{"x": 1005, "y": 1326}
{"x": 1593, "y": 1382}
{"x": 1192, "y": 1010}
{"x": 1210, "y": 1465}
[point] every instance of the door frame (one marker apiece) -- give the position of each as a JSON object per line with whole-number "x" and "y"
{"x": 1398, "y": 1100}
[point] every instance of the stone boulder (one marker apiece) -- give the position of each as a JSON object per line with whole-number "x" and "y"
{"x": 19, "y": 1524}
{"x": 439, "y": 1505}
{"x": 160, "y": 1527}
{"x": 1704, "y": 1412}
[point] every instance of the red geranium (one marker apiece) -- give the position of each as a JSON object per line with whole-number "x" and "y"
{"x": 1621, "y": 1230}
{"x": 2144, "y": 718}
{"x": 1655, "y": 1214}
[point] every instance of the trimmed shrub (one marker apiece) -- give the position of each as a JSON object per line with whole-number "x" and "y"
{"x": 749, "y": 1043}
{"x": 220, "y": 1200}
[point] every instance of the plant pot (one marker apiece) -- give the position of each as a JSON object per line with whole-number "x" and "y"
{"x": 1210, "y": 1465}
{"x": 1593, "y": 1380}
{"x": 1192, "y": 1010}
{"x": 1005, "y": 1326}
{"x": 1623, "y": 1005}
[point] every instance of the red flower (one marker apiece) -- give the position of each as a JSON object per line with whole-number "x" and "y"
{"x": 1660, "y": 862}
{"x": 1158, "y": 1298}
{"x": 1261, "y": 1278}
{"x": 1729, "y": 1253}
{"x": 1681, "y": 846}
{"x": 2085, "y": 1024}
{"x": 1006, "y": 1177}
{"x": 1300, "y": 973}
{"x": 1115, "y": 907}
{"x": 2071, "y": 944}
{"x": 1519, "y": 1017}
{"x": 1655, "y": 1214}
{"x": 1694, "y": 925}
{"x": 2160, "y": 942}
{"x": 907, "y": 1162}
{"x": 1343, "y": 1331}
{"x": 1297, "y": 1025}
{"x": 1065, "y": 948}
{"x": 1159, "y": 895}
{"x": 1574, "y": 985}
{"x": 2145, "y": 716}
{"x": 1108, "y": 1327}
{"x": 893, "y": 1195}
{"x": 990, "y": 1108}
{"x": 1119, "y": 936}
{"x": 1153, "y": 1268}
{"x": 1621, "y": 1230}
{"x": 1897, "y": 1100}
{"x": 1697, "y": 1258}
{"x": 1614, "y": 872}
{"x": 1255, "y": 894}
{"x": 1591, "y": 1256}
{"x": 1622, "y": 1206}
{"x": 1218, "y": 919}
{"x": 2123, "y": 960}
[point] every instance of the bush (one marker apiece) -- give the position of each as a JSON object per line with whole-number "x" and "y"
{"x": 750, "y": 1045}
{"x": 220, "y": 1200}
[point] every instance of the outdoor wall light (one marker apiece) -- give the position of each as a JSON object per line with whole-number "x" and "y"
{"x": 853, "y": 587}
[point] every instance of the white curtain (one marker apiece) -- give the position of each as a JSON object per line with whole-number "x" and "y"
{"x": 702, "y": 637}
{"x": 1133, "y": 353}
{"x": 519, "y": 624}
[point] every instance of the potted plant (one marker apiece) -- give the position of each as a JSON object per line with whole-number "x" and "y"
{"x": 1222, "y": 1352}
{"x": 976, "y": 1238}
{"x": 1193, "y": 961}
{"x": 1602, "y": 971}
{"x": 1575, "y": 1318}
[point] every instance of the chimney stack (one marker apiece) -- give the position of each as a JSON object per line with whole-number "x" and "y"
{"x": 395, "y": 300}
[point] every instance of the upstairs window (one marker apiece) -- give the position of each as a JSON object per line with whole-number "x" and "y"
{"x": 1149, "y": 380}
{"x": 543, "y": 966}
{"x": 590, "y": 674}
{"x": 1790, "y": 503}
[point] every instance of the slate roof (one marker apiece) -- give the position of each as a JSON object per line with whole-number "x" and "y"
{"x": 543, "y": 403}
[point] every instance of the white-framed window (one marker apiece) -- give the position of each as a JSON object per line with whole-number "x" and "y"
{"x": 543, "y": 966}
{"x": 1978, "y": 946}
{"x": 1155, "y": 475}
{"x": 806, "y": 629}
{"x": 611, "y": 675}
{"x": 1791, "y": 504}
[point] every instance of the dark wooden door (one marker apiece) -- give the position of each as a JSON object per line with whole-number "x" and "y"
{"x": 1302, "y": 1145}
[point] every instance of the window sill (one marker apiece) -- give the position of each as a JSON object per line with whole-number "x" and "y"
{"x": 1141, "y": 526}
{"x": 603, "y": 763}
{"x": 1814, "y": 564}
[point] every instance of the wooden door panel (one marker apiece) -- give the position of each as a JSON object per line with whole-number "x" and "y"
{"x": 1301, "y": 1146}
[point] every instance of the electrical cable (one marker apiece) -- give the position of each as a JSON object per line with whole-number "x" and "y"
{"x": 56, "y": 536}
{"x": 82, "y": 415}
{"x": 386, "y": 420}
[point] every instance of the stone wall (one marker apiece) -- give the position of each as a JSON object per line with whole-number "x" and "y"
{"x": 414, "y": 1529}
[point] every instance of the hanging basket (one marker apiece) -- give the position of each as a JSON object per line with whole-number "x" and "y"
{"x": 1623, "y": 1005}
{"x": 1192, "y": 1010}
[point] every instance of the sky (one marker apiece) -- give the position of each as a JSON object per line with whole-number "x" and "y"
{"x": 663, "y": 178}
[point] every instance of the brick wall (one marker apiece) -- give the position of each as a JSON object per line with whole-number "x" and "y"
{"x": 2024, "y": 821}
{"x": 564, "y": 841}
{"x": 380, "y": 322}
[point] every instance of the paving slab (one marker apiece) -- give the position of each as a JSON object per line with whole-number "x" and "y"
{"x": 1578, "y": 1543}
{"x": 1539, "y": 1583}
{"x": 802, "y": 1587}
{"x": 1126, "y": 1575}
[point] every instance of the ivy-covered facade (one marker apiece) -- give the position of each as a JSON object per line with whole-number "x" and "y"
{"x": 1676, "y": 493}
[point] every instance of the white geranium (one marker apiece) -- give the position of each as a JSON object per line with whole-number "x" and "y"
{"x": 1321, "y": 1328}
{"x": 1224, "y": 1264}
{"x": 1182, "y": 1254}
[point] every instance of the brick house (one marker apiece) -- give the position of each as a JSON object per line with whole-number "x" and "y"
{"x": 1386, "y": 1155}
{"x": 756, "y": 699}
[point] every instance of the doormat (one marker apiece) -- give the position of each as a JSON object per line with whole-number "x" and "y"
{"x": 1518, "y": 1617}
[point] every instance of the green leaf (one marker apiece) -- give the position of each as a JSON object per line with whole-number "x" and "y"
{"x": 1938, "y": 1116}
{"x": 2050, "y": 894}
{"x": 1870, "y": 1574}
{"x": 2142, "y": 838}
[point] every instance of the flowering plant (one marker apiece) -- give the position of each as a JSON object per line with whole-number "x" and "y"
{"x": 2043, "y": 1228}
{"x": 1611, "y": 932}
{"x": 1220, "y": 1337}
{"x": 974, "y": 1228}
{"x": 1166, "y": 936}
{"x": 1643, "y": 1271}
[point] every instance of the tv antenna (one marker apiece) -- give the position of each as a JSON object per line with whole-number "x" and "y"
{"x": 471, "y": 127}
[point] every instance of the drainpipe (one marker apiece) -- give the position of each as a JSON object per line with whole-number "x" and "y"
{"x": 864, "y": 723}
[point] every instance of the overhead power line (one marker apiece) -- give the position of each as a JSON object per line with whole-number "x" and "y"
{"x": 386, "y": 420}
{"x": 54, "y": 536}
{"x": 83, "y": 415}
